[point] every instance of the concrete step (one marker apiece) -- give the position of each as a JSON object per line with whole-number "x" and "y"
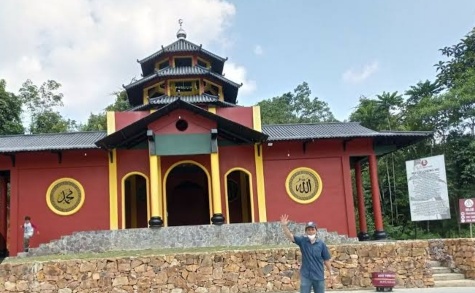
{"x": 450, "y": 276}
{"x": 434, "y": 263}
{"x": 440, "y": 270}
{"x": 455, "y": 283}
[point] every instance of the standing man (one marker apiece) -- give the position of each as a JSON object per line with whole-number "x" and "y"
{"x": 314, "y": 254}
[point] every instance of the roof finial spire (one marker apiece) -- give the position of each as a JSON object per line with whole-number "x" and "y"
{"x": 181, "y": 34}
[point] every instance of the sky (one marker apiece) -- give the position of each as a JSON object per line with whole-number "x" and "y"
{"x": 343, "y": 49}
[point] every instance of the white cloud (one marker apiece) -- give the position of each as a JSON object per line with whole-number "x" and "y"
{"x": 238, "y": 74}
{"x": 91, "y": 47}
{"x": 258, "y": 50}
{"x": 354, "y": 76}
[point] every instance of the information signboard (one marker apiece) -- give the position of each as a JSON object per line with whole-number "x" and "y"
{"x": 467, "y": 210}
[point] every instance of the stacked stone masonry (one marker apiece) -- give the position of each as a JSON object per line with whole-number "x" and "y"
{"x": 264, "y": 270}
{"x": 457, "y": 254}
{"x": 243, "y": 234}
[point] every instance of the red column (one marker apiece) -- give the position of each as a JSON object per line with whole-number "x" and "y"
{"x": 363, "y": 235}
{"x": 3, "y": 215}
{"x": 15, "y": 238}
{"x": 378, "y": 218}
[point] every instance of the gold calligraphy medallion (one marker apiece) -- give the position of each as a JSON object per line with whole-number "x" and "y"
{"x": 303, "y": 185}
{"x": 65, "y": 196}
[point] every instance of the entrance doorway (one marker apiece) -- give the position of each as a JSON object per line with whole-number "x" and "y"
{"x": 135, "y": 197}
{"x": 239, "y": 197}
{"x": 4, "y": 212}
{"x": 187, "y": 196}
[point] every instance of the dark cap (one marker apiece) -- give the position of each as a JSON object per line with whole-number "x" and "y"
{"x": 310, "y": 225}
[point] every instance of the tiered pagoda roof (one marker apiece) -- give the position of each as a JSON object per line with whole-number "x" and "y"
{"x": 135, "y": 89}
{"x": 196, "y": 99}
{"x": 181, "y": 61}
{"x": 181, "y": 46}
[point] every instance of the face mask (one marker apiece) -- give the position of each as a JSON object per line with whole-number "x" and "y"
{"x": 311, "y": 237}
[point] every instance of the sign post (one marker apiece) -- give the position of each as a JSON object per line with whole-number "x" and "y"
{"x": 467, "y": 212}
{"x": 427, "y": 186}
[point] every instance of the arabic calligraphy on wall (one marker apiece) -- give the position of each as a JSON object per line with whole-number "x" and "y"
{"x": 65, "y": 196}
{"x": 303, "y": 185}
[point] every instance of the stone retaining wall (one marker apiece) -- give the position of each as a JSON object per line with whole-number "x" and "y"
{"x": 268, "y": 270}
{"x": 458, "y": 254}
{"x": 229, "y": 235}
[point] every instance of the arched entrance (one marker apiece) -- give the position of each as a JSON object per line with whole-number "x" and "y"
{"x": 239, "y": 197}
{"x": 135, "y": 197}
{"x": 187, "y": 195}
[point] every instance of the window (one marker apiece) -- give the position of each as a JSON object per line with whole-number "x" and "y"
{"x": 211, "y": 89}
{"x": 184, "y": 86}
{"x": 183, "y": 61}
{"x": 163, "y": 64}
{"x": 181, "y": 125}
{"x": 202, "y": 63}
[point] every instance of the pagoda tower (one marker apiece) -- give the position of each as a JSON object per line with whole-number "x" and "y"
{"x": 182, "y": 70}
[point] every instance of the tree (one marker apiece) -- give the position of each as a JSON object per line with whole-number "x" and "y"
{"x": 99, "y": 121}
{"x": 51, "y": 122}
{"x": 461, "y": 99}
{"x": 389, "y": 104}
{"x": 368, "y": 114}
{"x": 420, "y": 106}
{"x": 10, "y": 112}
{"x": 40, "y": 103}
{"x": 461, "y": 58}
{"x": 421, "y": 90}
{"x": 296, "y": 107}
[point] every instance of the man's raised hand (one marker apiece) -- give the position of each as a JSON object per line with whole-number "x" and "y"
{"x": 284, "y": 219}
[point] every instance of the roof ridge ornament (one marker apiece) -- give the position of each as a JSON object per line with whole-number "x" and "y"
{"x": 181, "y": 34}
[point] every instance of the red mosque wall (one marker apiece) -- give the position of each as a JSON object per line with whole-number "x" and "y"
{"x": 328, "y": 159}
{"x": 196, "y": 123}
{"x": 30, "y": 181}
{"x": 241, "y": 115}
{"x": 123, "y": 119}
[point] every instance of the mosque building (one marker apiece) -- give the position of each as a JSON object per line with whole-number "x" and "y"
{"x": 187, "y": 154}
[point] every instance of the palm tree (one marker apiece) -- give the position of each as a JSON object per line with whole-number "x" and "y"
{"x": 420, "y": 91}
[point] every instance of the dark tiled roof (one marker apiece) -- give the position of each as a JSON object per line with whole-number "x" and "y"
{"x": 180, "y": 71}
{"x": 52, "y": 141}
{"x": 178, "y": 47}
{"x": 134, "y": 89}
{"x": 195, "y": 99}
{"x": 277, "y": 132}
{"x": 388, "y": 133}
{"x": 316, "y": 130}
{"x": 343, "y": 130}
{"x": 181, "y": 45}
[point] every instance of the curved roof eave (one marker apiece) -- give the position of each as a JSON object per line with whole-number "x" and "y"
{"x": 181, "y": 71}
{"x": 134, "y": 89}
{"x": 181, "y": 45}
